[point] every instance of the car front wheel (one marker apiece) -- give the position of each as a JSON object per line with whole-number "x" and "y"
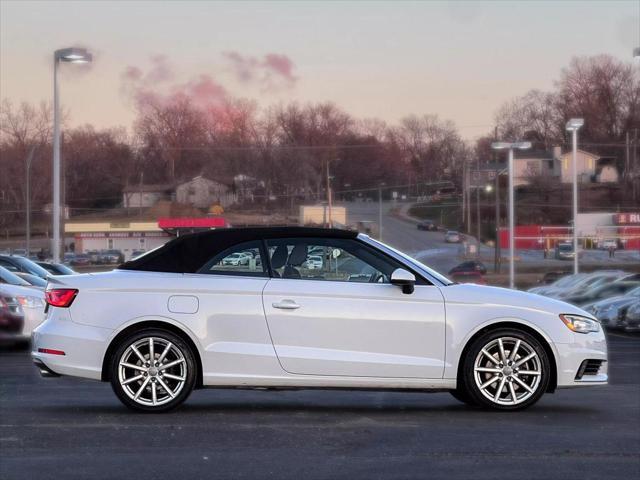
{"x": 506, "y": 369}
{"x": 153, "y": 370}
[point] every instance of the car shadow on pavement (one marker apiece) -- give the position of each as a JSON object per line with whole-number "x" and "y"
{"x": 363, "y": 406}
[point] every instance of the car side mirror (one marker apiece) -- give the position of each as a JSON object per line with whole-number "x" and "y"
{"x": 404, "y": 279}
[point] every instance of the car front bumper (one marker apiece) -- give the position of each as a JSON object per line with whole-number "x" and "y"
{"x": 589, "y": 346}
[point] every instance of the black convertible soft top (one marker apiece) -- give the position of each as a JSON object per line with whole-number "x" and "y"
{"x": 187, "y": 253}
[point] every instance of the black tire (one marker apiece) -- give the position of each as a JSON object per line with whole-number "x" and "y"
{"x": 467, "y": 381}
{"x": 190, "y": 371}
{"x": 463, "y": 396}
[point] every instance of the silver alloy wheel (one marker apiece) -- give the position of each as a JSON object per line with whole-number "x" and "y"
{"x": 507, "y": 371}
{"x": 152, "y": 371}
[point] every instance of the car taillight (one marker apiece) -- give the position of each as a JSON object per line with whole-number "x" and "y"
{"x": 60, "y": 297}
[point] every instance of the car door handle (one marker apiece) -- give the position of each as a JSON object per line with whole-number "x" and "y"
{"x": 285, "y": 305}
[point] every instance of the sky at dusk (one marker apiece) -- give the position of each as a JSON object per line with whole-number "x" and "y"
{"x": 386, "y": 60}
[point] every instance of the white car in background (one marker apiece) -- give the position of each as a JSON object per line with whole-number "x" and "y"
{"x": 31, "y": 301}
{"x": 181, "y": 318}
{"x": 313, "y": 262}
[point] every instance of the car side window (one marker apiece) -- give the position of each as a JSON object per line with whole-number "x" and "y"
{"x": 243, "y": 259}
{"x": 338, "y": 260}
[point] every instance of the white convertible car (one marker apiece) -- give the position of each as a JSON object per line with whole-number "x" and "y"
{"x": 181, "y": 317}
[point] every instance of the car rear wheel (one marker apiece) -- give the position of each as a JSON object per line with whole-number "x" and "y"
{"x": 506, "y": 369}
{"x": 153, "y": 370}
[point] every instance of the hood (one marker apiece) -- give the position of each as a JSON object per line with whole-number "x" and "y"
{"x": 481, "y": 294}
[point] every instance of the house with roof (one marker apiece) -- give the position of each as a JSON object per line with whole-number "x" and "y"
{"x": 535, "y": 163}
{"x": 591, "y": 168}
{"x": 146, "y": 195}
{"x": 203, "y": 192}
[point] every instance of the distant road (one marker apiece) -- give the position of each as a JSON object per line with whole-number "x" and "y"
{"x": 428, "y": 247}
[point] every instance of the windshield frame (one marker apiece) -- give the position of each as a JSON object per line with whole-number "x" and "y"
{"x": 437, "y": 278}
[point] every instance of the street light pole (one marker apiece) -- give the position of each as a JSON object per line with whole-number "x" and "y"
{"x": 55, "y": 246}
{"x": 512, "y": 269}
{"x": 27, "y": 165}
{"x": 380, "y": 210}
{"x": 329, "y": 196}
{"x": 573, "y": 125}
{"x": 511, "y": 147}
{"x": 69, "y": 55}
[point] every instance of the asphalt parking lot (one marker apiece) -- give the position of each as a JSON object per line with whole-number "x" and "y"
{"x": 69, "y": 428}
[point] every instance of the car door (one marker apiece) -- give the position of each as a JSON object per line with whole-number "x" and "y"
{"x": 345, "y": 318}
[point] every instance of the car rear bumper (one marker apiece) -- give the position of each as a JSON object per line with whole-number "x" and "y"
{"x": 83, "y": 346}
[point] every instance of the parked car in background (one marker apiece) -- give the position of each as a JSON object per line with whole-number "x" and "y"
{"x": 81, "y": 260}
{"x": 469, "y": 266}
{"x": 235, "y": 259}
{"x": 137, "y": 253}
{"x": 16, "y": 264}
{"x": 32, "y": 304}
{"x": 601, "y": 292}
{"x": 11, "y": 317}
{"x": 564, "y": 251}
{"x": 631, "y": 321}
{"x": 551, "y": 277}
{"x": 587, "y": 282}
{"x": 452, "y": 237}
{"x": 558, "y": 285}
{"x": 610, "y": 311}
{"x": 56, "y": 268}
{"x": 469, "y": 276}
{"x": 428, "y": 225}
{"x": 109, "y": 257}
{"x": 607, "y": 244}
{"x": 314, "y": 262}
{"x": 33, "y": 280}
{"x": 11, "y": 278}
{"x": 94, "y": 256}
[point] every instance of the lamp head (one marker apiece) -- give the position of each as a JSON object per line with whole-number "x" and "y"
{"x": 73, "y": 55}
{"x": 574, "y": 124}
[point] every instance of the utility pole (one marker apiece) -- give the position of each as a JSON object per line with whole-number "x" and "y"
{"x": 464, "y": 191}
{"x": 478, "y": 214}
{"x": 28, "y": 162}
{"x": 329, "y": 195}
{"x": 380, "y": 212}
{"x": 627, "y": 163}
{"x": 140, "y": 195}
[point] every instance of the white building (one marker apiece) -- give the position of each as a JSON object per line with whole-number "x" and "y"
{"x": 120, "y": 235}
{"x": 586, "y": 166}
{"x": 535, "y": 163}
{"x": 202, "y": 192}
{"x": 135, "y": 196}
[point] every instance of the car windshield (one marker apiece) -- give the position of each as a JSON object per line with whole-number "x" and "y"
{"x": 32, "y": 267}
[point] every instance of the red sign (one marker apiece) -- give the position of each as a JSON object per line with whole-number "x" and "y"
{"x": 205, "y": 222}
{"x": 627, "y": 218}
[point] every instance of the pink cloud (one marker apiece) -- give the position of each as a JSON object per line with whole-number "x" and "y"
{"x": 272, "y": 71}
{"x": 280, "y": 64}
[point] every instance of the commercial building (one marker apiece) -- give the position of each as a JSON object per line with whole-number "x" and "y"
{"x": 128, "y": 237}
{"x": 593, "y": 230}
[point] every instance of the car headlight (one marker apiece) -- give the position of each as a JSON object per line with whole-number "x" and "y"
{"x": 580, "y": 324}
{"x": 31, "y": 302}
